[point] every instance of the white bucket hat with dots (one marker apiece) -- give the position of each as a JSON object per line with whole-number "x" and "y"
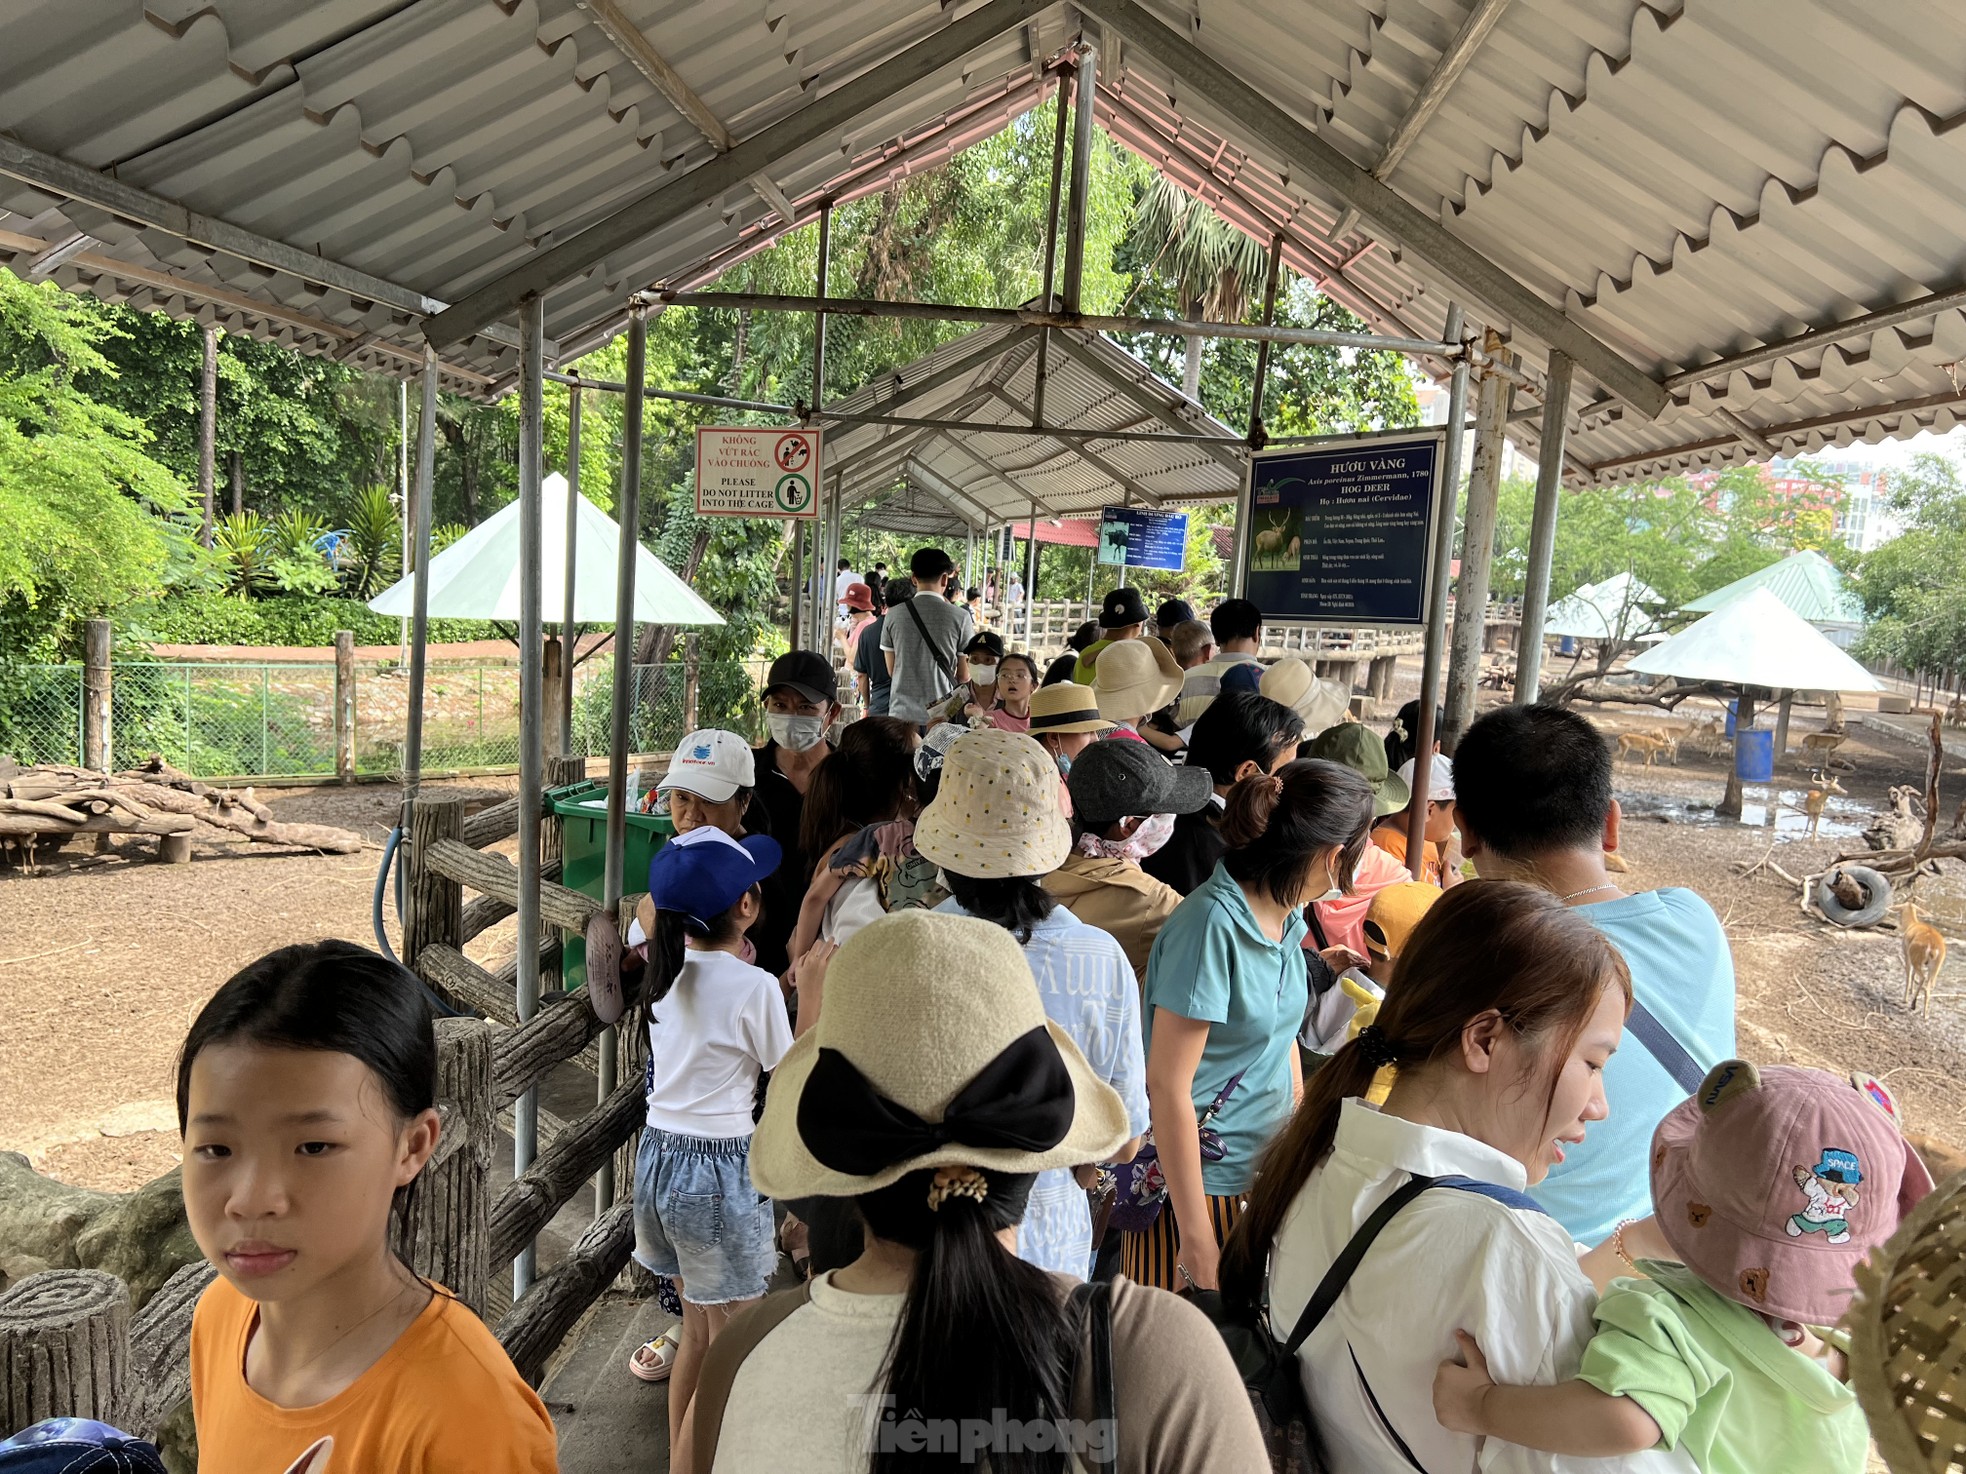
{"x": 1001, "y": 810}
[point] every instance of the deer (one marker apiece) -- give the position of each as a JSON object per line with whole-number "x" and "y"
{"x": 1269, "y": 541}
{"x": 1924, "y": 953}
{"x": 1821, "y": 786}
{"x": 1643, "y": 742}
{"x": 1820, "y": 745}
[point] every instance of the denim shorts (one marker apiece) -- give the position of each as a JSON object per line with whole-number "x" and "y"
{"x": 699, "y": 1219}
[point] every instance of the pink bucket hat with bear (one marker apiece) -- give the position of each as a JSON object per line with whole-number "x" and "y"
{"x": 1772, "y": 1184}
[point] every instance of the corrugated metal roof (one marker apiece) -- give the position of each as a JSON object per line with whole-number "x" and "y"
{"x": 1687, "y": 178}
{"x": 1807, "y": 582}
{"x": 983, "y": 477}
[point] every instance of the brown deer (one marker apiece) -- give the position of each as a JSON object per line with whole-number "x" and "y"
{"x": 1821, "y": 786}
{"x": 1817, "y": 746}
{"x": 1924, "y": 953}
{"x": 1651, "y": 747}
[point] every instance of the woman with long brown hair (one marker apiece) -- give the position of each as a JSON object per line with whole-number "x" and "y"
{"x": 1499, "y": 1017}
{"x": 1225, "y": 995}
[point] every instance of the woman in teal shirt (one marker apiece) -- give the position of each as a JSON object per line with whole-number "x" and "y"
{"x": 1225, "y": 996}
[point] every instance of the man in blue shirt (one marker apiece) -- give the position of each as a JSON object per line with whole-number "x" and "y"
{"x": 1533, "y": 803}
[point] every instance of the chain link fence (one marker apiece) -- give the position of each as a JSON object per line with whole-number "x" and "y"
{"x": 41, "y": 714}
{"x": 278, "y": 720}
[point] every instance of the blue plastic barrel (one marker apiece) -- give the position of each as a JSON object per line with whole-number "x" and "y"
{"x": 1566, "y": 645}
{"x": 1754, "y": 756}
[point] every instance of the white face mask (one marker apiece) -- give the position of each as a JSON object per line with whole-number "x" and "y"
{"x": 982, "y": 675}
{"x": 800, "y": 734}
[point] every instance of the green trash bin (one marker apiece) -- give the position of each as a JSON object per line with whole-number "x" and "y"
{"x": 583, "y": 812}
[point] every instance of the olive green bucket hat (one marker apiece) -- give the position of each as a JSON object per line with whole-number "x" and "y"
{"x": 1363, "y": 750}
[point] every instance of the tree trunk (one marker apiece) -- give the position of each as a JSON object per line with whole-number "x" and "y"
{"x": 65, "y": 1345}
{"x": 238, "y": 479}
{"x": 655, "y": 643}
{"x": 467, "y": 469}
{"x": 1730, "y": 804}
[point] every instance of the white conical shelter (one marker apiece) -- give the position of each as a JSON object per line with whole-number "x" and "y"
{"x": 1756, "y": 640}
{"x": 477, "y": 577}
{"x": 1614, "y": 609}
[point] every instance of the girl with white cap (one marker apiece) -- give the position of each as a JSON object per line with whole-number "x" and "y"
{"x": 931, "y": 1093}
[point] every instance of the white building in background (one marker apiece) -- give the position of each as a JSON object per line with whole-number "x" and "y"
{"x": 1863, "y": 515}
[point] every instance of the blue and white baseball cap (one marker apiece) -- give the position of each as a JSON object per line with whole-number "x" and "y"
{"x": 77, "y": 1446}
{"x": 711, "y": 764}
{"x": 704, "y": 873}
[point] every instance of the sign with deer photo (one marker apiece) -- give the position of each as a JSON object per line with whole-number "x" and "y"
{"x": 1132, "y": 538}
{"x": 1341, "y": 531}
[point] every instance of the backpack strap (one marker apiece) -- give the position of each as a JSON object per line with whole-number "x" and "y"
{"x": 1335, "y": 1278}
{"x": 725, "y": 1356}
{"x": 948, "y": 666}
{"x": 1659, "y": 1042}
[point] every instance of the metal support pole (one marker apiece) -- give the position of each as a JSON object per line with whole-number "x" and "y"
{"x": 798, "y": 576}
{"x": 1477, "y": 552}
{"x": 1050, "y": 252}
{"x": 1031, "y": 578}
{"x": 970, "y": 579}
{"x": 1450, "y": 478}
{"x": 207, "y": 430}
{"x": 1083, "y": 91}
{"x": 403, "y": 500}
{"x": 819, "y": 317}
{"x": 1263, "y": 349}
{"x": 426, "y": 475}
{"x": 836, "y": 541}
{"x": 613, "y": 862}
{"x": 532, "y": 757}
{"x": 567, "y": 637}
{"x": 1542, "y": 527}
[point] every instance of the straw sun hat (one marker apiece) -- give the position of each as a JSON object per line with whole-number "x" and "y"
{"x": 933, "y": 1050}
{"x": 1000, "y": 811}
{"x": 1135, "y": 677}
{"x": 1907, "y": 1344}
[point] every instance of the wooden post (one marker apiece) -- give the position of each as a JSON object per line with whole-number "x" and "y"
{"x": 436, "y": 904}
{"x": 1379, "y": 679}
{"x": 552, "y": 668}
{"x": 447, "y": 1233}
{"x": 344, "y": 705}
{"x": 96, "y": 697}
{"x": 64, "y": 1347}
{"x": 1782, "y": 726}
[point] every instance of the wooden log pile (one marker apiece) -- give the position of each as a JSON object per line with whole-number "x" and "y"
{"x": 42, "y": 807}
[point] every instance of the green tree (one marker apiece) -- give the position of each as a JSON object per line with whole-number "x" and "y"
{"x": 1214, "y": 267}
{"x": 92, "y": 521}
{"x": 1914, "y": 586}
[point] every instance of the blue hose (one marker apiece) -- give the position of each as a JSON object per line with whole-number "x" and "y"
{"x": 443, "y": 1009}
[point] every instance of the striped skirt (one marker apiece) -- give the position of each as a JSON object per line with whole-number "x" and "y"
{"x": 1147, "y": 1257}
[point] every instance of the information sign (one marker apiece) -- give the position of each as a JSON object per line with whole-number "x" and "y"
{"x": 1139, "y": 539}
{"x": 749, "y": 471}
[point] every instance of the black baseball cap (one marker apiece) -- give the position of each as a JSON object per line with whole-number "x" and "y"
{"x": 1111, "y": 781}
{"x": 807, "y": 672}
{"x": 1173, "y": 612}
{"x": 1122, "y": 608}
{"x": 988, "y": 640}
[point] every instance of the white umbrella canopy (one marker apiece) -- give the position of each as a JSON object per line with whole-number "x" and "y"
{"x": 477, "y": 577}
{"x": 1756, "y": 640}
{"x": 1614, "y": 609}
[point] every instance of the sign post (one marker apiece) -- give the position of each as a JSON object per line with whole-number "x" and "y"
{"x": 1131, "y": 538}
{"x": 753, "y": 471}
{"x": 1341, "y": 531}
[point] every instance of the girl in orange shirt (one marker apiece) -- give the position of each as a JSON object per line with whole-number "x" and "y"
{"x": 306, "y": 1098}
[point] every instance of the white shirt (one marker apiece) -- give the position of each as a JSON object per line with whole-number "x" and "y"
{"x": 1450, "y": 1260}
{"x": 722, "y": 1023}
{"x": 847, "y": 579}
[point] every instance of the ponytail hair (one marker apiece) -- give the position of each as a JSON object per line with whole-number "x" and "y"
{"x": 982, "y": 1334}
{"x": 669, "y": 946}
{"x": 867, "y": 779}
{"x": 1489, "y": 946}
{"x": 1277, "y": 824}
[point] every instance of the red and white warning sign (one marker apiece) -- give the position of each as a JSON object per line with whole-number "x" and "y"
{"x": 745, "y": 471}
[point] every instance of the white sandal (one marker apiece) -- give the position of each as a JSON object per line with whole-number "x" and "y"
{"x": 654, "y": 1360}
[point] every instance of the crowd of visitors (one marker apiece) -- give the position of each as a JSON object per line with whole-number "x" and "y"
{"x": 1055, "y": 1019}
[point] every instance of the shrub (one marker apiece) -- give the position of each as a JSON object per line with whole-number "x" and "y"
{"x": 286, "y": 619}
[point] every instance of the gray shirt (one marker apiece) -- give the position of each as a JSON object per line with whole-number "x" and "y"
{"x": 923, "y": 675}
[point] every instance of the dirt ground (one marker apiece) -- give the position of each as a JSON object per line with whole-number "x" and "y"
{"x": 105, "y": 960}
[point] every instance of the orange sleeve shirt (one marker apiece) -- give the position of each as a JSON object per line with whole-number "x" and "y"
{"x": 444, "y": 1398}
{"x": 1392, "y": 840}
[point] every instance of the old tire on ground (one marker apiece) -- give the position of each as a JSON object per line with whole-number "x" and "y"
{"x": 1877, "y": 890}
